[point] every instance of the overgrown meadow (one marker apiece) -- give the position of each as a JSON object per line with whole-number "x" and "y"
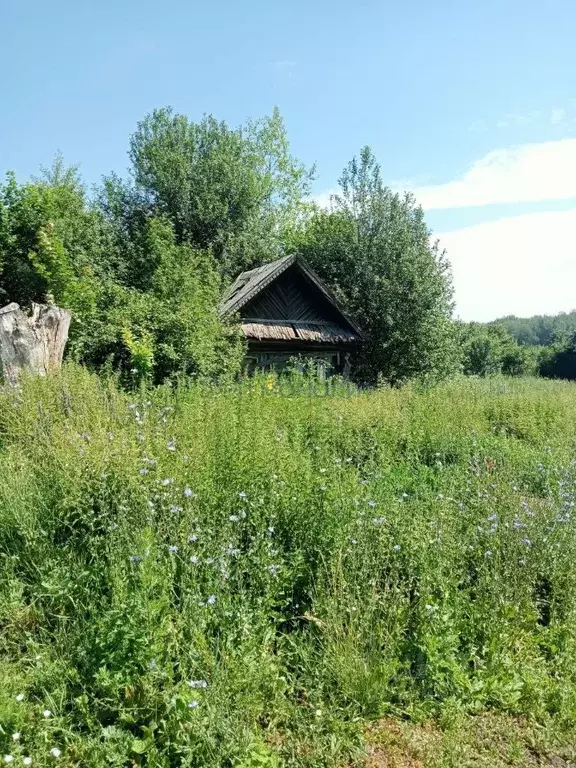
{"x": 212, "y": 577}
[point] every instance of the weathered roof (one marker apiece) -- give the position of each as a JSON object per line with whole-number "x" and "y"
{"x": 298, "y": 331}
{"x": 249, "y": 284}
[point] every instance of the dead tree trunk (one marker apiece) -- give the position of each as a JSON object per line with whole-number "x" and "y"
{"x": 31, "y": 342}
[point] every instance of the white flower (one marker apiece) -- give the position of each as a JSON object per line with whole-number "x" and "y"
{"x": 16, "y": 736}
{"x": 197, "y": 683}
{"x": 55, "y": 752}
{"x": 47, "y": 713}
{"x": 8, "y": 758}
{"x": 27, "y": 761}
{"x": 318, "y": 713}
{"x": 20, "y": 697}
{"x": 192, "y": 705}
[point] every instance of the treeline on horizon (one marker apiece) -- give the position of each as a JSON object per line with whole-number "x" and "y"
{"x": 142, "y": 261}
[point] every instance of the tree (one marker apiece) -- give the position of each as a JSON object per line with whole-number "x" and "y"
{"x": 539, "y": 330}
{"x": 373, "y": 248}
{"x": 171, "y": 327}
{"x": 231, "y": 190}
{"x": 50, "y": 240}
{"x": 559, "y": 360}
{"x": 490, "y": 349}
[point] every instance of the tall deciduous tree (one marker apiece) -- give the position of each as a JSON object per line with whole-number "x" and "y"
{"x": 50, "y": 239}
{"x": 230, "y": 190}
{"x": 373, "y": 247}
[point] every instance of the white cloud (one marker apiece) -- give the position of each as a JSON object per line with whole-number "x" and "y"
{"x": 523, "y": 265}
{"x": 528, "y": 172}
{"x": 323, "y": 199}
{"x": 558, "y": 116}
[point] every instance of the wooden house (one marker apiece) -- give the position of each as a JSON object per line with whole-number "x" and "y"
{"x": 286, "y": 312}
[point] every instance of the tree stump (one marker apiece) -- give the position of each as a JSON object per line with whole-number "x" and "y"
{"x": 32, "y": 342}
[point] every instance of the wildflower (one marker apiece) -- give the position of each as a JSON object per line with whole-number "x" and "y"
{"x": 323, "y": 488}
{"x": 527, "y": 542}
{"x": 233, "y": 518}
{"x": 372, "y": 503}
{"x": 192, "y": 704}
{"x": 429, "y": 607}
{"x": 175, "y": 509}
{"x": 197, "y": 683}
{"x": 172, "y": 445}
{"x": 353, "y": 541}
{"x": 135, "y": 559}
{"x": 144, "y": 471}
{"x": 488, "y": 553}
{"x": 242, "y": 495}
{"x": 152, "y": 664}
{"x": 194, "y": 560}
{"x": 396, "y": 547}
{"x": 55, "y": 752}
{"x": 47, "y": 713}
{"x": 26, "y": 761}
{"x": 173, "y": 548}
{"x": 192, "y": 538}
{"x": 8, "y": 758}
{"x": 270, "y": 530}
{"x": 440, "y": 496}
{"x": 20, "y": 697}
{"x": 273, "y": 569}
{"x": 232, "y": 551}
{"x": 189, "y": 493}
{"x": 378, "y": 520}
{"x": 318, "y": 713}
{"x": 493, "y": 517}
{"x": 16, "y": 736}
{"x": 211, "y": 600}
{"x": 167, "y": 481}
{"x": 404, "y": 495}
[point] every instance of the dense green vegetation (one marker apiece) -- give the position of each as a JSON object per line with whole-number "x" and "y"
{"x": 143, "y": 262}
{"x": 244, "y": 575}
{"x": 539, "y": 330}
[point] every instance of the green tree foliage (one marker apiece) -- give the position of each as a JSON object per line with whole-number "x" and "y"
{"x": 139, "y": 301}
{"x": 50, "y": 240}
{"x": 373, "y": 248}
{"x": 234, "y": 190}
{"x": 171, "y": 327}
{"x": 559, "y": 360}
{"x": 539, "y": 330}
{"x": 490, "y": 349}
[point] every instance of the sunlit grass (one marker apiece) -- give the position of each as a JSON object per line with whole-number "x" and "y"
{"x": 213, "y": 577}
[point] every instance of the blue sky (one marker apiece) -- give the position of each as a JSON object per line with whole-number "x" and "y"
{"x": 472, "y": 105}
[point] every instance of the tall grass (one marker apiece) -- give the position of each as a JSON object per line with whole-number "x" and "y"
{"x": 219, "y": 577}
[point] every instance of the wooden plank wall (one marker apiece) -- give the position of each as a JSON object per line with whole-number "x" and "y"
{"x": 291, "y": 298}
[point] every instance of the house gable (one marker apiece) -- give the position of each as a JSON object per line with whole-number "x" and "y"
{"x": 293, "y": 298}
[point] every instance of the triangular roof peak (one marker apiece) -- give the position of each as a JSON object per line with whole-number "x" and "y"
{"x": 249, "y": 284}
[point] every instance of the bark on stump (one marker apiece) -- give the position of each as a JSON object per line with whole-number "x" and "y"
{"x": 31, "y": 342}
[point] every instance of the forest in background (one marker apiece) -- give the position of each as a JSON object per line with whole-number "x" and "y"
{"x": 142, "y": 261}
